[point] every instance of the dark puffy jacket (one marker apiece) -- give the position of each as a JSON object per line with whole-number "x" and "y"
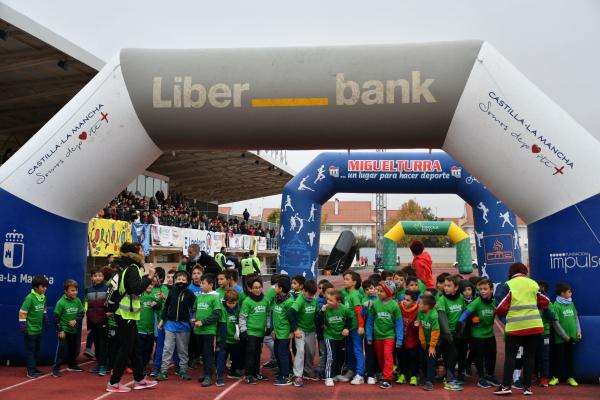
{"x": 178, "y": 305}
{"x": 95, "y": 297}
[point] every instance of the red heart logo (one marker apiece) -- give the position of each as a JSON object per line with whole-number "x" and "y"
{"x": 535, "y": 149}
{"x": 83, "y": 135}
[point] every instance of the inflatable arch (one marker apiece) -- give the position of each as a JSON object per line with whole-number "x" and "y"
{"x": 427, "y": 228}
{"x": 463, "y": 97}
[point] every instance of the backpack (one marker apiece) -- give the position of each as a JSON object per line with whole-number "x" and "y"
{"x": 113, "y": 295}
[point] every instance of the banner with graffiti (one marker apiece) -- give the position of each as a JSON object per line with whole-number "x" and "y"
{"x": 166, "y": 236}
{"x": 105, "y": 236}
{"x": 140, "y": 233}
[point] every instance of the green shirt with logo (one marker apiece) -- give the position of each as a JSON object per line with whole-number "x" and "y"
{"x": 68, "y": 310}
{"x": 335, "y": 321}
{"x": 231, "y": 318}
{"x": 453, "y": 309}
{"x": 146, "y": 321}
{"x": 256, "y": 313}
{"x": 566, "y": 315}
{"x": 281, "y": 320}
{"x": 385, "y": 315}
{"x": 430, "y": 322}
{"x": 485, "y": 312}
{"x": 33, "y": 309}
{"x": 204, "y": 306}
{"x": 353, "y": 299}
{"x": 306, "y": 311}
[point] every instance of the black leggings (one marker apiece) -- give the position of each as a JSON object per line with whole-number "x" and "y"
{"x": 253, "y": 351}
{"x": 450, "y": 355}
{"x": 408, "y": 361}
{"x": 484, "y": 353}
{"x": 128, "y": 350}
{"x": 563, "y": 360}
{"x": 511, "y": 346}
{"x": 205, "y": 344}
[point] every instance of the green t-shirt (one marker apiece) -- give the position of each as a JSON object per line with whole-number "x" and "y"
{"x": 67, "y": 310}
{"x": 32, "y": 311}
{"x": 281, "y": 320}
{"x": 335, "y": 320}
{"x": 566, "y": 315}
{"x": 256, "y": 313}
{"x": 430, "y": 322}
{"x": 385, "y": 315}
{"x": 400, "y": 294}
{"x": 306, "y": 311}
{"x": 155, "y": 292}
{"x": 221, "y": 292}
{"x": 270, "y": 295}
{"x": 485, "y": 312}
{"x": 453, "y": 309}
{"x": 230, "y": 317}
{"x": 422, "y": 286}
{"x": 146, "y": 321}
{"x": 353, "y": 299}
{"x": 204, "y": 306}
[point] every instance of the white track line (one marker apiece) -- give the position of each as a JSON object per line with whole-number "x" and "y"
{"x": 105, "y": 395}
{"x": 230, "y": 388}
{"x": 36, "y": 379}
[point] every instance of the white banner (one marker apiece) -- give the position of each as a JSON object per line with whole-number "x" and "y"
{"x": 236, "y": 242}
{"x": 262, "y": 243}
{"x": 247, "y": 241}
{"x": 218, "y": 241}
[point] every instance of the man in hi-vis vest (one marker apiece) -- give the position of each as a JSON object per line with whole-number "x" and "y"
{"x": 249, "y": 267}
{"x": 131, "y": 286}
{"x": 520, "y": 301}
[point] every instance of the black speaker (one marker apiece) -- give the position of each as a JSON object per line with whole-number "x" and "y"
{"x": 342, "y": 254}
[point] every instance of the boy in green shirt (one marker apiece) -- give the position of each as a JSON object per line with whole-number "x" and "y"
{"x": 400, "y": 282}
{"x": 450, "y": 308}
{"x": 305, "y": 337}
{"x": 429, "y": 334}
{"x": 228, "y": 343}
{"x": 385, "y": 327}
{"x": 222, "y": 284}
{"x": 67, "y": 313}
{"x": 31, "y": 315}
{"x": 269, "y": 342}
{"x": 567, "y": 332}
{"x": 253, "y": 326}
{"x": 483, "y": 342}
{"x": 336, "y": 320}
{"x": 207, "y": 314}
{"x": 145, "y": 324}
{"x": 282, "y": 328}
{"x": 355, "y": 358}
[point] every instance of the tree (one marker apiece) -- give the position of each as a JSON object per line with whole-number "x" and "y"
{"x": 274, "y": 217}
{"x": 413, "y": 211}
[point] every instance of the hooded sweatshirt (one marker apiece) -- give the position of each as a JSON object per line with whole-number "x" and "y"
{"x": 411, "y": 332}
{"x": 422, "y": 263}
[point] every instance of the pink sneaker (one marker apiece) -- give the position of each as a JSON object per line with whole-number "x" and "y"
{"x": 144, "y": 384}
{"x": 117, "y": 388}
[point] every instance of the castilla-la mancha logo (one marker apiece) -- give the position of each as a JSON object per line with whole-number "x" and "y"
{"x": 14, "y": 250}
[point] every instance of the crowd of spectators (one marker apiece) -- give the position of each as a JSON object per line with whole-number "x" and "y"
{"x": 179, "y": 211}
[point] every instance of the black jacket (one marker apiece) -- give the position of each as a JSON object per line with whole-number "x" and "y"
{"x": 208, "y": 262}
{"x": 178, "y": 305}
{"x": 133, "y": 284}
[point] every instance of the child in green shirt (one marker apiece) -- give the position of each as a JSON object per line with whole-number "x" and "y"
{"x": 31, "y": 315}
{"x": 67, "y": 314}
{"x": 253, "y": 326}
{"x": 400, "y": 282}
{"x": 282, "y": 327}
{"x": 354, "y": 348}
{"x": 370, "y": 289}
{"x": 429, "y": 333}
{"x": 145, "y": 324}
{"x": 305, "y": 338}
{"x": 228, "y": 343}
{"x": 336, "y": 320}
{"x": 567, "y": 332}
{"x": 207, "y": 314}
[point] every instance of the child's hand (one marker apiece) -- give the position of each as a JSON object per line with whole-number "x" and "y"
{"x": 398, "y": 345}
{"x": 109, "y": 314}
{"x": 72, "y": 323}
{"x": 432, "y": 351}
{"x": 567, "y": 339}
{"x": 160, "y": 324}
{"x": 153, "y": 304}
{"x": 298, "y": 334}
{"x": 61, "y": 335}
{"x": 324, "y": 307}
{"x": 198, "y": 323}
{"x": 369, "y": 342}
{"x": 345, "y": 332}
{"x": 417, "y": 323}
{"x": 273, "y": 335}
{"x": 161, "y": 295}
{"x": 579, "y": 336}
{"x": 361, "y": 331}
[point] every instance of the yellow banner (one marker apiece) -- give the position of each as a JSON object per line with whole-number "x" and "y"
{"x": 105, "y": 236}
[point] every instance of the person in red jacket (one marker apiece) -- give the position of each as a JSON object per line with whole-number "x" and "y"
{"x": 408, "y": 355}
{"x": 422, "y": 263}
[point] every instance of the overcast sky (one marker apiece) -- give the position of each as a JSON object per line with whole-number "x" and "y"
{"x": 556, "y": 44}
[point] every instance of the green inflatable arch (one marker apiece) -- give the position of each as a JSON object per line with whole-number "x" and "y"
{"x": 429, "y": 228}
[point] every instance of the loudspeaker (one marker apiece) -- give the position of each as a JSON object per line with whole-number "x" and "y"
{"x": 342, "y": 254}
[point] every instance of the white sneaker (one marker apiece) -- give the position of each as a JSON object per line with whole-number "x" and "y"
{"x": 371, "y": 381}
{"x": 341, "y": 378}
{"x": 329, "y": 382}
{"x": 357, "y": 380}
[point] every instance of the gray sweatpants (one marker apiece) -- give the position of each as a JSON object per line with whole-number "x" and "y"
{"x": 268, "y": 341}
{"x": 172, "y": 339}
{"x": 305, "y": 353}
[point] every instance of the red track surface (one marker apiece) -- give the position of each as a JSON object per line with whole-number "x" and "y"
{"x": 85, "y": 386}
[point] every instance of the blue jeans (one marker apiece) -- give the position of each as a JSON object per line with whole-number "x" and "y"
{"x": 354, "y": 353}
{"x": 428, "y": 365}
{"x": 282, "y": 354}
{"x": 160, "y": 344}
{"x": 32, "y": 348}
{"x": 233, "y": 350}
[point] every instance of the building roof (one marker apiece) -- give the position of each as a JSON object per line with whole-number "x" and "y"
{"x": 349, "y": 212}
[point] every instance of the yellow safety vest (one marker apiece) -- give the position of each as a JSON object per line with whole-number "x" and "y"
{"x": 523, "y": 313}
{"x": 247, "y": 267}
{"x": 257, "y": 260}
{"x": 221, "y": 260}
{"x": 130, "y": 305}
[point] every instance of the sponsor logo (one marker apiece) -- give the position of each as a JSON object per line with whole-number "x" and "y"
{"x": 14, "y": 250}
{"x": 496, "y": 245}
{"x": 570, "y": 260}
{"x": 456, "y": 171}
{"x": 394, "y": 165}
{"x": 334, "y": 171}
